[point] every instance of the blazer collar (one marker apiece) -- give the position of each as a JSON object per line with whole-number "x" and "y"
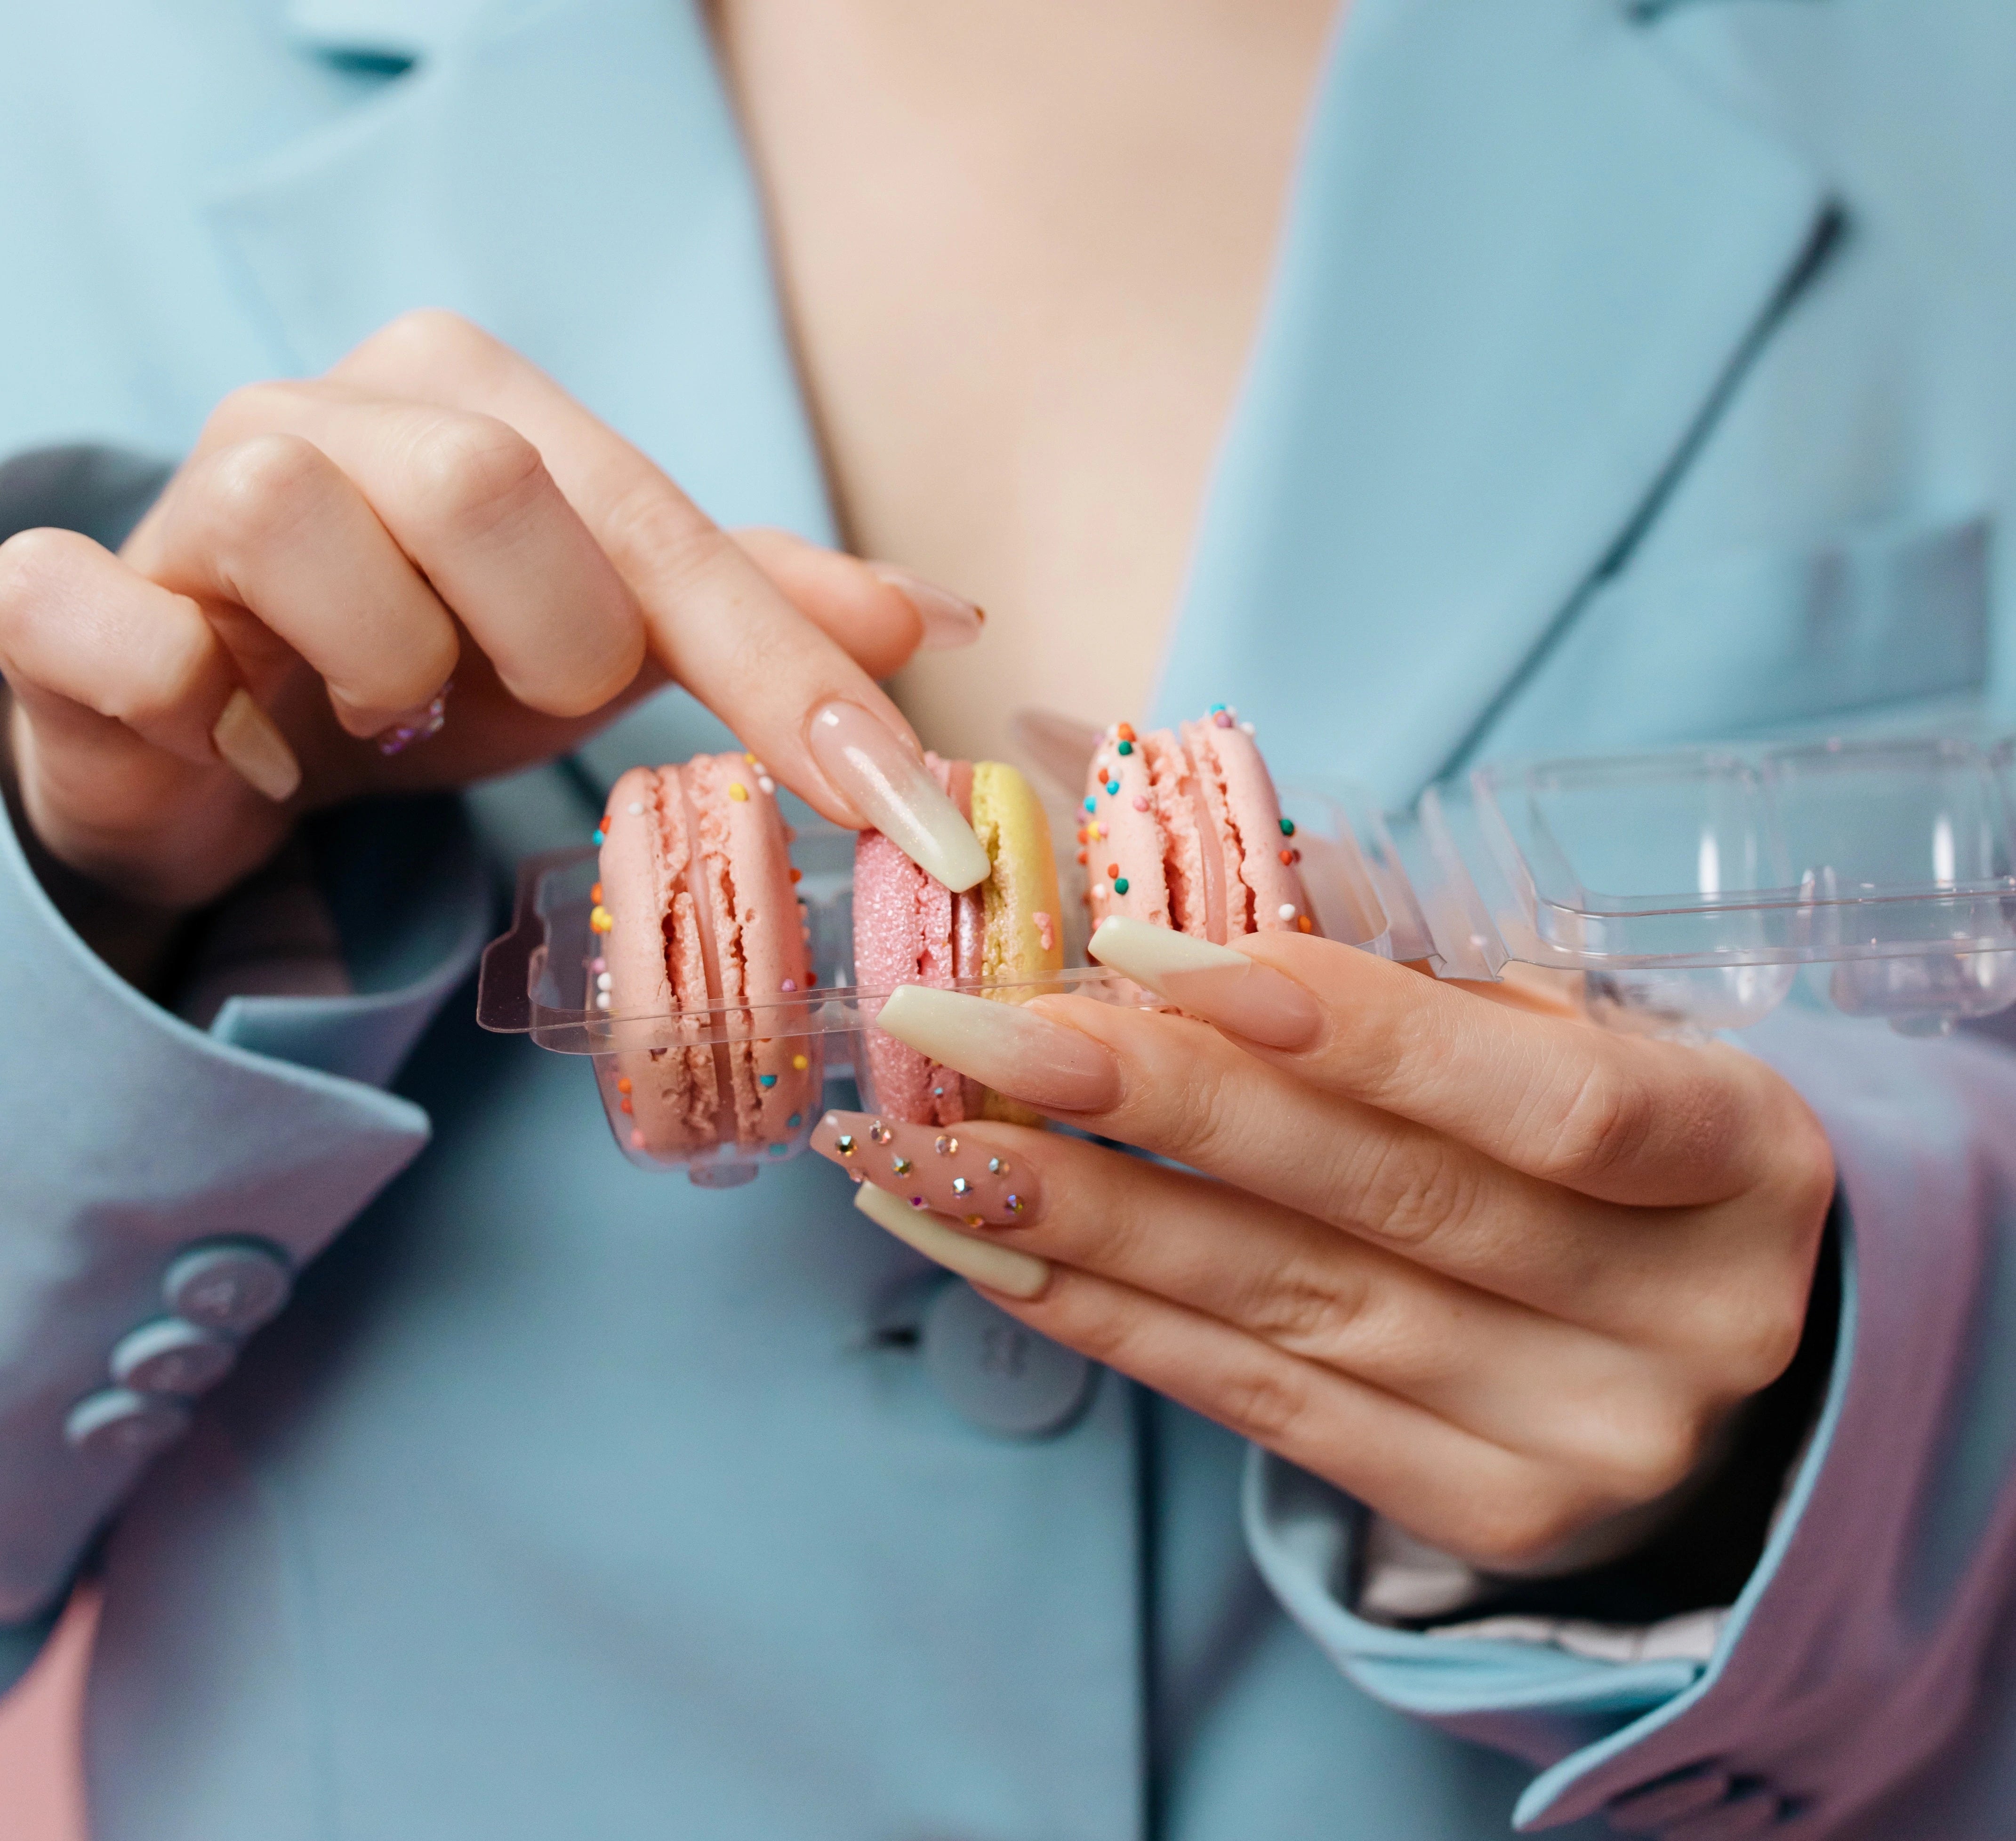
{"x": 1525, "y": 261}
{"x": 566, "y": 173}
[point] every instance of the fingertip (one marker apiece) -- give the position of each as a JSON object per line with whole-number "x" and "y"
{"x": 247, "y": 740}
{"x": 946, "y": 621}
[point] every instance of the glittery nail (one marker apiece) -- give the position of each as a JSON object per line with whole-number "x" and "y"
{"x": 950, "y": 1174}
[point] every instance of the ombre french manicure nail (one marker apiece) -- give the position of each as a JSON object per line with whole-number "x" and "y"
{"x": 949, "y": 619}
{"x": 1007, "y": 1047}
{"x": 930, "y": 1167}
{"x": 1224, "y": 988}
{"x": 985, "y": 1262}
{"x": 870, "y": 767}
{"x": 247, "y": 740}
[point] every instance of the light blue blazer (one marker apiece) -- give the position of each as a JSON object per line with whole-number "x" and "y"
{"x": 1632, "y": 373}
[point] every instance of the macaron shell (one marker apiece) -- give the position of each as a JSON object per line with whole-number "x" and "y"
{"x": 889, "y": 949}
{"x": 645, "y": 853}
{"x": 907, "y": 927}
{"x": 1024, "y": 937}
{"x": 1122, "y": 834}
{"x": 1237, "y": 783}
{"x": 759, "y": 942}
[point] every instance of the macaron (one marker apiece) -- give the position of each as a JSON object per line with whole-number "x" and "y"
{"x": 1182, "y": 829}
{"x": 910, "y": 929}
{"x": 696, "y": 912}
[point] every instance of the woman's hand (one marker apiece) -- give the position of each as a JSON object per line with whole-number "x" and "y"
{"x": 334, "y": 551}
{"x": 1500, "y": 1274}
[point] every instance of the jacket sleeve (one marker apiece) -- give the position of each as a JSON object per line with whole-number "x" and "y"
{"x": 1848, "y": 1675}
{"x": 163, "y": 1183}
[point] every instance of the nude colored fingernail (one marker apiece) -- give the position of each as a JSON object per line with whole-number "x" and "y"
{"x": 950, "y": 620}
{"x": 1005, "y": 1046}
{"x": 891, "y": 788}
{"x": 1000, "y": 1268}
{"x": 1224, "y": 988}
{"x": 254, "y": 749}
{"x": 925, "y": 1166}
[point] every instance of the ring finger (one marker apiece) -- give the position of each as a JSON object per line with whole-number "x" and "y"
{"x": 1522, "y": 1379}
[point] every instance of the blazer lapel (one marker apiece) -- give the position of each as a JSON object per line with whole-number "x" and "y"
{"x": 1525, "y": 262}
{"x": 570, "y": 176}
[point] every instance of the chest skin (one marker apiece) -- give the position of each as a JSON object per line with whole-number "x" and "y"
{"x": 1023, "y": 253}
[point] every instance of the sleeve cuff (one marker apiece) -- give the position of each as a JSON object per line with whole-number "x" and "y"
{"x": 1577, "y": 1699}
{"x": 155, "y": 1171}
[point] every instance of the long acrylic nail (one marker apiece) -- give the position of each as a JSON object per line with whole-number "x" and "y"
{"x": 891, "y": 788}
{"x": 1004, "y": 1046}
{"x": 244, "y": 735}
{"x": 943, "y": 1168}
{"x": 950, "y": 620}
{"x": 1224, "y": 988}
{"x": 1000, "y": 1268}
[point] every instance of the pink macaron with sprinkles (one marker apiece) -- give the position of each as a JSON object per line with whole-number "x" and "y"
{"x": 1182, "y": 829}
{"x": 696, "y": 912}
{"x": 1002, "y": 935}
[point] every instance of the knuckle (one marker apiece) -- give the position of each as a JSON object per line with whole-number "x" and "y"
{"x": 1407, "y": 1197}
{"x": 253, "y": 408}
{"x": 1604, "y": 1126}
{"x": 1517, "y": 1527}
{"x": 1803, "y": 1164}
{"x": 1312, "y": 1311}
{"x": 471, "y": 474}
{"x": 1657, "y": 1447}
{"x": 1750, "y": 1339}
{"x": 421, "y": 339}
{"x": 1260, "y": 1401}
{"x": 258, "y": 488}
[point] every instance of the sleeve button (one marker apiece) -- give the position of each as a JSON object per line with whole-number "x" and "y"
{"x": 116, "y": 1422}
{"x": 227, "y": 1285}
{"x": 998, "y": 1373}
{"x": 169, "y": 1356}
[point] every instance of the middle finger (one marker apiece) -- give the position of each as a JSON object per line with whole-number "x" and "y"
{"x": 471, "y": 500}
{"x": 1178, "y": 1088}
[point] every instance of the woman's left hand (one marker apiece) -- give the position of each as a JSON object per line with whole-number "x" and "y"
{"x": 1502, "y": 1275}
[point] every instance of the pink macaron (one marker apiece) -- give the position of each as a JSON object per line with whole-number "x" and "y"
{"x": 910, "y": 929}
{"x": 697, "y": 915}
{"x": 1182, "y": 829}
{"x": 999, "y": 939}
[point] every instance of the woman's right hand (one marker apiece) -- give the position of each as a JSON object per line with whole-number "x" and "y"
{"x": 335, "y": 550}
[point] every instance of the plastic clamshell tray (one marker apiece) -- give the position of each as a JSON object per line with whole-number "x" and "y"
{"x": 1689, "y": 890}
{"x": 536, "y": 978}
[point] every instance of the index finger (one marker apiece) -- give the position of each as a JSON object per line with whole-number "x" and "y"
{"x": 1620, "y": 1118}
{"x": 715, "y": 621}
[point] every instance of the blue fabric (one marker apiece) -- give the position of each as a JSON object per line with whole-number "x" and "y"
{"x": 1629, "y": 374}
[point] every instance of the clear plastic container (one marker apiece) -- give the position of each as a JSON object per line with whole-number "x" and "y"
{"x": 1689, "y": 891}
